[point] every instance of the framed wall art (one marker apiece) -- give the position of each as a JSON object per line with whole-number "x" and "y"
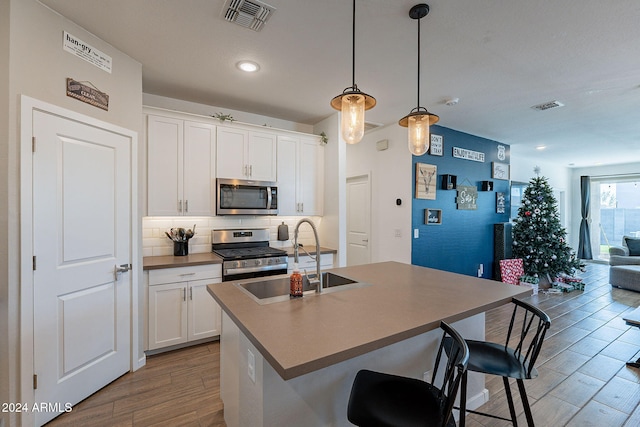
{"x": 426, "y": 180}
{"x": 500, "y": 171}
{"x": 433, "y": 216}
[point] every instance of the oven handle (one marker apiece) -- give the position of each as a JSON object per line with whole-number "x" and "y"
{"x": 241, "y": 270}
{"x": 269, "y": 198}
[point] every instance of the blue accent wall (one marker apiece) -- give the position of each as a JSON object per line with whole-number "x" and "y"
{"x": 465, "y": 238}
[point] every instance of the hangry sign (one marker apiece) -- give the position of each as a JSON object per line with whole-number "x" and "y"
{"x": 87, "y": 52}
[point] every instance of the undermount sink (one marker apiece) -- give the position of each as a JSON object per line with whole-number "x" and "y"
{"x": 277, "y": 289}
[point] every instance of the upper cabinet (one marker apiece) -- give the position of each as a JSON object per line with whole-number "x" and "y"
{"x": 244, "y": 154}
{"x": 180, "y": 167}
{"x": 300, "y": 175}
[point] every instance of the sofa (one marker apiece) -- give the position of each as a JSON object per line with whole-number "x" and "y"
{"x": 625, "y": 264}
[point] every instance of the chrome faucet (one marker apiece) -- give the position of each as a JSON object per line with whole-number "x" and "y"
{"x": 318, "y": 281}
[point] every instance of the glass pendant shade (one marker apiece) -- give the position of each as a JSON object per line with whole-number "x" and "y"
{"x": 352, "y": 120}
{"x": 418, "y": 134}
{"x": 352, "y": 103}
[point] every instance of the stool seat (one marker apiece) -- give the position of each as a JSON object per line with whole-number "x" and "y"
{"x": 392, "y": 400}
{"x": 492, "y": 358}
{"x": 380, "y": 399}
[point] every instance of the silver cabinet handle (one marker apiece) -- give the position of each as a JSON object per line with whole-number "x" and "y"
{"x": 186, "y": 206}
{"x": 179, "y": 205}
{"x": 191, "y": 294}
{"x": 250, "y": 170}
{"x": 184, "y": 294}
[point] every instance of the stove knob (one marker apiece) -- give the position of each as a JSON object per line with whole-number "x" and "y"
{"x": 257, "y": 262}
{"x": 244, "y": 263}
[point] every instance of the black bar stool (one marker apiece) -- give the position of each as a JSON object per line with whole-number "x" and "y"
{"x": 379, "y": 399}
{"x": 528, "y": 326}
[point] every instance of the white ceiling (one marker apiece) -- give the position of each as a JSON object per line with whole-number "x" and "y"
{"x": 499, "y": 57}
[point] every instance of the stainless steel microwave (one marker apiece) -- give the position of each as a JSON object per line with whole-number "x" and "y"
{"x": 245, "y": 197}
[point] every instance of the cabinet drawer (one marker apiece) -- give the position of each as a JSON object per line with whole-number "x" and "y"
{"x": 184, "y": 274}
{"x": 326, "y": 261}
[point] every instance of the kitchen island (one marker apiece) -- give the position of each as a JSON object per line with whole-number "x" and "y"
{"x": 293, "y": 362}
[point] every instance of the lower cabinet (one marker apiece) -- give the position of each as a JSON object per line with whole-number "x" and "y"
{"x": 180, "y": 307}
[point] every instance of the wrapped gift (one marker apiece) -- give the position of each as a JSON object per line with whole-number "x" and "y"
{"x": 511, "y": 270}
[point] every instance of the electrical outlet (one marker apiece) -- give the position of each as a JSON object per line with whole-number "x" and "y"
{"x": 397, "y": 232}
{"x": 251, "y": 366}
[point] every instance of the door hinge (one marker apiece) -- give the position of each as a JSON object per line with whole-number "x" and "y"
{"x": 34, "y": 263}
{"x": 35, "y": 381}
{"x": 33, "y": 144}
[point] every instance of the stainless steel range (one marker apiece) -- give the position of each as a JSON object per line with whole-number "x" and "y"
{"x": 246, "y": 254}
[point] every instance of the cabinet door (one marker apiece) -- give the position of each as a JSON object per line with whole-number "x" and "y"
{"x": 199, "y": 169}
{"x": 167, "y": 315}
{"x": 287, "y": 168}
{"x": 165, "y": 159}
{"x": 311, "y": 177}
{"x": 262, "y": 156}
{"x": 230, "y": 153}
{"x": 204, "y": 311}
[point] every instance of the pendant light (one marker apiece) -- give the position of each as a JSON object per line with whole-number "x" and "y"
{"x": 352, "y": 102}
{"x": 419, "y": 119}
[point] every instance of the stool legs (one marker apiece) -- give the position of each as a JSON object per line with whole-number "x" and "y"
{"x": 525, "y": 403}
{"x": 512, "y": 409}
{"x": 463, "y": 400}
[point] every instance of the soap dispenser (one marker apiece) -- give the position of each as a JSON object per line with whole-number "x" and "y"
{"x": 295, "y": 283}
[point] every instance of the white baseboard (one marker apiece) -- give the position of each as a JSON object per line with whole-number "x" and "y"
{"x": 140, "y": 362}
{"x": 474, "y": 402}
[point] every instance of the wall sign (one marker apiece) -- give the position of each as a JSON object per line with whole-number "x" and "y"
{"x": 467, "y": 197}
{"x": 463, "y": 153}
{"x": 88, "y": 94}
{"x": 501, "y": 203}
{"x": 436, "y": 148}
{"x": 82, "y": 50}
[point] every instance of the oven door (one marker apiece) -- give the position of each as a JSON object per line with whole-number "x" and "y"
{"x": 242, "y": 197}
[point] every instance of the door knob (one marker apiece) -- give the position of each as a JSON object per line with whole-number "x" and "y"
{"x": 122, "y": 268}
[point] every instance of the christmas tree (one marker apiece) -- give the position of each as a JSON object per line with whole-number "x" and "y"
{"x": 538, "y": 237}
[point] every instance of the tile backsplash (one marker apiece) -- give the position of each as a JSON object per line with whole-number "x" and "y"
{"x": 155, "y": 242}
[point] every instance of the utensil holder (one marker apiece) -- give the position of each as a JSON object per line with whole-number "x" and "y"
{"x": 181, "y": 248}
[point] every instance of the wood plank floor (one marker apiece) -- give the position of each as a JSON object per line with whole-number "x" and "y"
{"x": 583, "y": 380}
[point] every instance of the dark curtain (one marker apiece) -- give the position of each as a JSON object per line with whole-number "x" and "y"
{"x": 584, "y": 245}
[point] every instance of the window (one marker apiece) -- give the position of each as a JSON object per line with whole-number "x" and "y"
{"x": 517, "y": 191}
{"x": 615, "y": 212}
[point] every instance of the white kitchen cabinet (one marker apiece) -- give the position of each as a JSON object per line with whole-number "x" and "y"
{"x": 181, "y": 167}
{"x": 180, "y": 307}
{"x": 300, "y": 175}
{"x": 246, "y": 154}
{"x": 308, "y": 264}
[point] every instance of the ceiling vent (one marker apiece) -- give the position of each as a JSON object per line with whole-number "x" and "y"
{"x": 548, "y": 105}
{"x": 249, "y": 14}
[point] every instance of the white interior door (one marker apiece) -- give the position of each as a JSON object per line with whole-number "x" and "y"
{"x": 81, "y": 232}
{"x": 358, "y": 220}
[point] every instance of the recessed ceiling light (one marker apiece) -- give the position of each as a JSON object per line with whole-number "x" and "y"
{"x": 541, "y": 147}
{"x": 248, "y": 66}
